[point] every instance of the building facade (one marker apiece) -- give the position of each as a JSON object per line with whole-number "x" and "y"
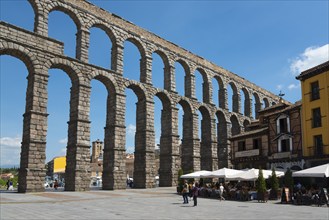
{"x": 285, "y": 138}
{"x": 272, "y": 141}
{"x": 315, "y": 114}
{"x": 56, "y": 168}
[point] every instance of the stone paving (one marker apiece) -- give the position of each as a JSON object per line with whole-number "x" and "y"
{"x": 156, "y": 203}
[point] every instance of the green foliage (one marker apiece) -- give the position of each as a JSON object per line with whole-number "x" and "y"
{"x": 274, "y": 181}
{"x": 3, "y": 182}
{"x": 288, "y": 180}
{"x": 261, "y": 184}
{"x": 14, "y": 171}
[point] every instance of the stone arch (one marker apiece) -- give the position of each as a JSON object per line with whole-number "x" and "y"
{"x": 78, "y": 125}
{"x": 258, "y": 104}
{"x": 78, "y": 21}
{"x": 144, "y": 71}
{"x": 205, "y": 85}
{"x": 111, "y": 35}
{"x": 189, "y": 147}
{"x": 236, "y": 128}
{"x": 245, "y": 124}
{"x": 108, "y": 80}
{"x": 187, "y": 77}
{"x": 68, "y": 67}
{"x": 266, "y": 102}
{"x": 206, "y": 151}
{"x": 221, "y": 93}
{"x": 34, "y": 121}
{"x": 235, "y": 97}
{"x": 72, "y": 13}
{"x": 22, "y": 54}
{"x": 166, "y": 69}
{"x": 169, "y": 152}
{"x": 247, "y": 104}
{"x": 223, "y": 145}
{"x": 144, "y": 172}
{"x": 138, "y": 44}
{"x": 138, "y": 89}
{"x": 36, "y": 9}
{"x": 113, "y": 153}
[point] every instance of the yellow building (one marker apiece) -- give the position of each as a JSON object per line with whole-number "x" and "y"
{"x": 56, "y": 167}
{"x": 315, "y": 114}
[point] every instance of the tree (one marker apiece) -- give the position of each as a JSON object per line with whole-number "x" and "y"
{"x": 261, "y": 184}
{"x": 274, "y": 185}
{"x": 261, "y": 187}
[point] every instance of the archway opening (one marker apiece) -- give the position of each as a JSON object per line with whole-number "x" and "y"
{"x": 63, "y": 28}
{"x": 98, "y": 109}
{"x": 131, "y": 61}
{"x": 100, "y": 47}
{"x": 157, "y": 71}
{"x": 180, "y": 78}
{"x": 199, "y": 84}
{"x": 130, "y": 121}
{"x": 58, "y": 109}
{"x": 21, "y": 15}
{"x": 12, "y": 107}
{"x": 215, "y": 92}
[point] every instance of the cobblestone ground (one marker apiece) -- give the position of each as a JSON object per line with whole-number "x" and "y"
{"x": 156, "y": 203}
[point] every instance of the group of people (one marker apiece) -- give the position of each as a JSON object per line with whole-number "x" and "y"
{"x": 190, "y": 190}
{"x": 307, "y": 195}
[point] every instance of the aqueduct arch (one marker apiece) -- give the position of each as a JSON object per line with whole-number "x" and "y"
{"x": 210, "y": 151}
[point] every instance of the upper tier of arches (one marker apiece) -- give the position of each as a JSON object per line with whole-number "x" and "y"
{"x": 120, "y": 31}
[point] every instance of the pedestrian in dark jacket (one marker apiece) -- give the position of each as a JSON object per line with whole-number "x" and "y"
{"x": 195, "y": 191}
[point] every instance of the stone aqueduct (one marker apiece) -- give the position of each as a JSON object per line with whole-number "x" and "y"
{"x": 40, "y": 53}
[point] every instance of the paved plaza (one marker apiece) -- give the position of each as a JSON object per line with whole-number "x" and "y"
{"x": 156, "y": 203}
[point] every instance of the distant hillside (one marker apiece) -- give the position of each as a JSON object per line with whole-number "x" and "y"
{"x": 6, "y": 166}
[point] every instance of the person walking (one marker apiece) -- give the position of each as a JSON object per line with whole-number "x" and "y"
{"x": 195, "y": 191}
{"x": 221, "y": 192}
{"x": 56, "y": 184}
{"x": 185, "y": 192}
{"x": 11, "y": 186}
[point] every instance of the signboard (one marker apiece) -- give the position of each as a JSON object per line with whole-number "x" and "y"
{"x": 247, "y": 153}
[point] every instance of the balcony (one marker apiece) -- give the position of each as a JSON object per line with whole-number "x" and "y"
{"x": 313, "y": 151}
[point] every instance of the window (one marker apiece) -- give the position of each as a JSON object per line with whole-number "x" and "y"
{"x": 241, "y": 146}
{"x": 285, "y": 145}
{"x": 316, "y": 119}
{"x": 315, "y": 94}
{"x": 318, "y": 144}
{"x": 283, "y": 125}
{"x": 256, "y": 143}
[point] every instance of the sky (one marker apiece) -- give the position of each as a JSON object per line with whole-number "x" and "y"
{"x": 266, "y": 42}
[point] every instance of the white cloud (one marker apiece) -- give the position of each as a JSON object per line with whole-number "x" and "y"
{"x": 63, "y": 141}
{"x": 131, "y": 129}
{"x": 10, "y": 141}
{"x": 312, "y": 56}
{"x": 279, "y": 87}
{"x": 10, "y": 150}
{"x": 293, "y": 86}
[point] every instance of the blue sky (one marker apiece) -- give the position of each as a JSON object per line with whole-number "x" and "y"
{"x": 265, "y": 42}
